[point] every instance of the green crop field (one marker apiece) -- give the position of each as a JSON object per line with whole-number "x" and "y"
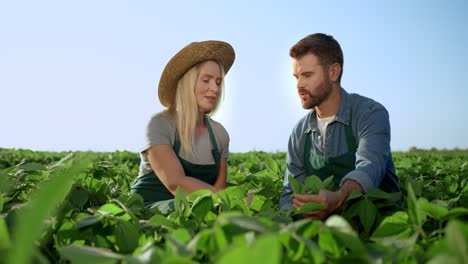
{"x": 76, "y": 207}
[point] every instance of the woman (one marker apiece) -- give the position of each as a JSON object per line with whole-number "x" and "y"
{"x": 184, "y": 147}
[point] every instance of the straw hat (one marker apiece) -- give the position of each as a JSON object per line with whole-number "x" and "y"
{"x": 189, "y": 56}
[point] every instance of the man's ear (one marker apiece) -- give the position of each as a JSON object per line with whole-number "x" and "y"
{"x": 334, "y": 72}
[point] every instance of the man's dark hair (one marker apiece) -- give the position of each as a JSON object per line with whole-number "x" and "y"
{"x": 323, "y": 46}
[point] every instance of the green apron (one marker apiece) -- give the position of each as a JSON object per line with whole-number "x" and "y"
{"x": 323, "y": 167}
{"x": 153, "y": 191}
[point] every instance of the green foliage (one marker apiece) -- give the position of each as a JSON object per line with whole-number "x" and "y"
{"x": 56, "y": 209}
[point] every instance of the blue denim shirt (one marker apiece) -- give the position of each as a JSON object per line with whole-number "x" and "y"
{"x": 371, "y": 129}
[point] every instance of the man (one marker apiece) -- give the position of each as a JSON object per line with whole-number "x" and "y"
{"x": 344, "y": 135}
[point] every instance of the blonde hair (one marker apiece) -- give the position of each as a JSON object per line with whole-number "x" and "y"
{"x": 185, "y": 107}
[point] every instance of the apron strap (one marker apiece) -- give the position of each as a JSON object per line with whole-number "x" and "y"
{"x": 350, "y": 141}
{"x": 214, "y": 151}
{"x": 307, "y": 148}
{"x": 176, "y": 146}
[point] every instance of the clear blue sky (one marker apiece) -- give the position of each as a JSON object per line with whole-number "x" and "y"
{"x": 83, "y": 75}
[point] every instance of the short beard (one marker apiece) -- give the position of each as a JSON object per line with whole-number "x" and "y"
{"x": 317, "y": 100}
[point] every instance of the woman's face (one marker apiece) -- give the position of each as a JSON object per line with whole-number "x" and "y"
{"x": 208, "y": 85}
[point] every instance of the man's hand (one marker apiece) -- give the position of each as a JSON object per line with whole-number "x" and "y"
{"x": 331, "y": 200}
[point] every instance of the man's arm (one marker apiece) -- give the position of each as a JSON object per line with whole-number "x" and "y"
{"x": 373, "y": 150}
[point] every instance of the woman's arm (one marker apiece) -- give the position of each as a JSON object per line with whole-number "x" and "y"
{"x": 220, "y": 182}
{"x": 167, "y": 167}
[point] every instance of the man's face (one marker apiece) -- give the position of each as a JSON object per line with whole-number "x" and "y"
{"x": 312, "y": 82}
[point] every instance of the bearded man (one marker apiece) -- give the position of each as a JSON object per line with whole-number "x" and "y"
{"x": 344, "y": 135}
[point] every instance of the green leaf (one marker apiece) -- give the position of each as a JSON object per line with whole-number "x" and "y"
{"x": 126, "y": 236}
{"x": 245, "y": 222}
{"x": 457, "y": 238}
{"x": 367, "y": 213}
{"x": 413, "y": 210}
{"x": 392, "y": 225}
{"x": 354, "y": 194}
{"x": 439, "y": 247}
{"x": 202, "y": 206}
{"x": 303, "y": 227}
{"x": 220, "y": 238}
{"x": 4, "y": 235}
{"x": 208, "y": 241}
{"x": 258, "y": 202}
{"x": 230, "y": 197}
{"x": 296, "y": 186}
{"x": 65, "y": 234}
{"x": 379, "y": 194}
{"x": 343, "y": 232}
{"x": 193, "y": 196}
{"x": 161, "y": 220}
{"x": 42, "y": 203}
{"x": 456, "y": 212}
{"x": 329, "y": 244}
{"x": 181, "y": 205}
{"x": 78, "y": 196}
{"x": 339, "y": 223}
{"x": 4, "y": 182}
{"x": 328, "y": 183}
{"x": 346, "y": 236}
{"x": 271, "y": 164}
{"x": 265, "y": 249}
{"x": 110, "y": 209}
{"x": 177, "y": 241}
{"x": 443, "y": 259}
{"x": 182, "y": 234}
{"x": 308, "y": 207}
{"x": 178, "y": 260}
{"x": 89, "y": 220}
{"x": 431, "y": 209}
{"x": 32, "y": 167}
{"x": 87, "y": 255}
{"x": 313, "y": 184}
{"x": 149, "y": 254}
{"x": 134, "y": 200}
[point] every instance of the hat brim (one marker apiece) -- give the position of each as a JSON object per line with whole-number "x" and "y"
{"x": 185, "y": 59}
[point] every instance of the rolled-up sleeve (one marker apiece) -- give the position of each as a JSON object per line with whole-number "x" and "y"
{"x": 373, "y": 149}
{"x": 294, "y": 167}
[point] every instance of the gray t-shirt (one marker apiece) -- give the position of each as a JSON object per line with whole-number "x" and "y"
{"x": 161, "y": 130}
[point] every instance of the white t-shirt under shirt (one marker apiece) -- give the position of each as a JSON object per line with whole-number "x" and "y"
{"x": 322, "y": 124}
{"x": 161, "y": 129}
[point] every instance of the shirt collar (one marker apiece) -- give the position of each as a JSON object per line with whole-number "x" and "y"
{"x": 344, "y": 111}
{"x": 342, "y": 116}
